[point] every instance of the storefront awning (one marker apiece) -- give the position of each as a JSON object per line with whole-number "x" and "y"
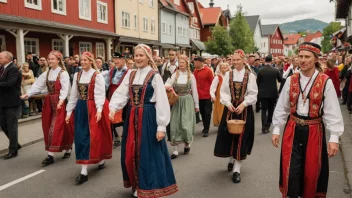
{"x": 184, "y": 45}
{"x": 167, "y": 46}
{"x": 199, "y": 44}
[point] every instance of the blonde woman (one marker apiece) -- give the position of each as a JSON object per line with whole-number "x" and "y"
{"x": 27, "y": 81}
{"x": 183, "y": 119}
{"x": 93, "y": 141}
{"x": 215, "y": 93}
{"x": 146, "y": 165}
{"x": 58, "y": 136}
{"x": 238, "y": 93}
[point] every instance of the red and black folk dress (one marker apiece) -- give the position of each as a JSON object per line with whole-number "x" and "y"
{"x": 304, "y": 168}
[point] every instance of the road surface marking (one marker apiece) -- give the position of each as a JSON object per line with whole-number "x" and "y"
{"x": 3, "y": 187}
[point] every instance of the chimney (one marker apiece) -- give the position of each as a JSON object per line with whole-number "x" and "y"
{"x": 211, "y": 3}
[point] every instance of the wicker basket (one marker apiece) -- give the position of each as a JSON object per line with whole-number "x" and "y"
{"x": 235, "y": 126}
{"x": 172, "y": 96}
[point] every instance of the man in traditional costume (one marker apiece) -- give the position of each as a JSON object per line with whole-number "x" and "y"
{"x": 116, "y": 76}
{"x": 309, "y": 99}
{"x": 170, "y": 66}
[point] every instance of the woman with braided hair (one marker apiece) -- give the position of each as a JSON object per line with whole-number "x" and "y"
{"x": 93, "y": 141}
{"x": 146, "y": 164}
{"x": 183, "y": 119}
{"x": 58, "y": 136}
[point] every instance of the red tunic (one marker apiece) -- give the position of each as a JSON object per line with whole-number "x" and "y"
{"x": 58, "y": 136}
{"x": 334, "y": 76}
{"x": 204, "y": 78}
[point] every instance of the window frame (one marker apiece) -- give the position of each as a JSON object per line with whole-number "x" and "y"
{"x": 96, "y": 49}
{"x": 177, "y": 2}
{"x": 58, "y": 11}
{"x": 152, "y": 24}
{"x": 3, "y": 1}
{"x": 151, "y": 3}
{"x": 85, "y": 42}
{"x": 123, "y": 21}
{"x": 170, "y": 29}
{"x": 101, "y": 3}
{"x": 164, "y": 24}
{"x": 191, "y": 6}
{"x": 145, "y": 25}
{"x": 36, "y": 45}
{"x": 141, "y": 1}
{"x": 2, "y": 37}
{"x": 58, "y": 40}
{"x": 178, "y": 31}
{"x": 135, "y": 17}
{"x": 32, "y": 6}
{"x": 90, "y": 10}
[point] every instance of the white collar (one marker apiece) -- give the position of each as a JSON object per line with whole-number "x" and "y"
{"x": 7, "y": 64}
{"x": 145, "y": 69}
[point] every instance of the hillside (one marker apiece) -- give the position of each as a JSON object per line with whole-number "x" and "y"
{"x": 312, "y": 25}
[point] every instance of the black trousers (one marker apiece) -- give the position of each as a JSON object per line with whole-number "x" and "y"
{"x": 9, "y": 124}
{"x": 268, "y": 106}
{"x": 206, "y": 108}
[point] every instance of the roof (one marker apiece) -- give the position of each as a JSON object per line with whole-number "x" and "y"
{"x": 200, "y": 5}
{"x": 210, "y": 16}
{"x": 252, "y": 21}
{"x": 292, "y": 39}
{"x": 312, "y": 36}
{"x": 171, "y": 6}
{"x": 227, "y": 13}
{"x": 268, "y": 30}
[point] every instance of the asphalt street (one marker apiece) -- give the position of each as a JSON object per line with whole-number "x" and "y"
{"x": 199, "y": 174}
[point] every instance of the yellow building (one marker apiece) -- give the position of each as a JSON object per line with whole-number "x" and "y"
{"x": 136, "y": 22}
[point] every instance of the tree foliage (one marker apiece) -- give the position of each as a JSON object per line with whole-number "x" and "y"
{"x": 241, "y": 35}
{"x": 328, "y": 33}
{"x": 220, "y": 42}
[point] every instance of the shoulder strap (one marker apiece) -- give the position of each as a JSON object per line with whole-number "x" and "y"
{"x": 79, "y": 74}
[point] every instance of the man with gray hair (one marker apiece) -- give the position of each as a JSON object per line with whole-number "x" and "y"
{"x": 10, "y": 102}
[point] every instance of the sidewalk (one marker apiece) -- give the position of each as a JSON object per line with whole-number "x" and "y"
{"x": 29, "y": 132}
{"x": 346, "y": 144}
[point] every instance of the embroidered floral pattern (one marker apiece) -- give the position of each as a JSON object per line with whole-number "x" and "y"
{"x": 316, "y": 95}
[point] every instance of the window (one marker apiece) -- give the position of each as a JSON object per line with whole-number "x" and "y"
{"x": 145, "y": 24}
{"x": 135, "y": 22}
{"x": 58, "y": 45}
{"x": 184, "y": 32}
{"x": 177, "y": 2}
{"x": 2, "y": 43}
{"x": 191, "y": 6}
{"x": 85, "y": 11}
{"x": 170, "y": 29}
{"x": 179, "y": 31}
{"x": 34, "y": 4}
{"x": 58, "y": 7}
{"x": 3, "y": 1}
{"x": 85, "y": 47}
{"x": 125, "y": 19}
{"x": 198, "y": 34}
{"x": 102, "y": 12}
{"x": 31, "y": 45}
{"x": 141, "y": 1}
{"x": 163, "y": 27}
{"x": 195, "y": 20}
{"x": 152, "y": 22}
{"x": 100, "y": 50}
{"x": 151, "y": 3}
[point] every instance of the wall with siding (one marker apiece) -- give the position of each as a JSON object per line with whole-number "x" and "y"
{"x": 169, "y": 19}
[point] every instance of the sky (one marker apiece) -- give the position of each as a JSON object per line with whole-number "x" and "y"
{"x": 281, "y": 11}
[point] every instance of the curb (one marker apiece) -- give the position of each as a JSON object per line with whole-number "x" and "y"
{"x": 24, "y": 145}
{"x": 346, "y": 148}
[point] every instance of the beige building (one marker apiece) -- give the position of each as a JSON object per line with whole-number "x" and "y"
{"x": 136, "y": 22}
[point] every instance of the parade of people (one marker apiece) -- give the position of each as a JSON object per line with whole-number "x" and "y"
{"x": 175, "y": 98}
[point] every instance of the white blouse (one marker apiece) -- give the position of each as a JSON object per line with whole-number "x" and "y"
{"x": 171, "y": 67}
{"x": 214, "y": 85}
{"x": 40, "y": 83}
{"x": 99, "y": 90}
{"x": 287, "y": 72}
{"x": 250, "y": 97}
{"x": 182, "y": 79}
{"x": 332, "y": 116}
{"x": 121, "y": 96}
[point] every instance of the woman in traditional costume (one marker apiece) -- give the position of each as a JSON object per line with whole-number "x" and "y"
{"x": 183, "y": 118}
{"x": 333, "y": 72}
{"x": 93, "y": 141}
{"x": 215, "y": 93}
{"x": 146, "y": 164}
{"x": 58, "y": 136}
{"x": 238, "y": 93}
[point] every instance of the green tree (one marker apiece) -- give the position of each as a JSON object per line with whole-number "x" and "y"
{"x": 327, "y": 33}
{"x": 241, "y": 34}
{"x": 220, "y": 42}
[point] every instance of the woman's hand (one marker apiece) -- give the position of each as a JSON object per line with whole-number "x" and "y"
{"x": 60, "y": 104}
{"x": 333, "y": 148}
{"x": 98, "y": 116}
{"x": 213, "y": 99}
{"x": 112, "y": 115}
{"x": 67, "y": 119}
{"x": 196, "y": 110}
{"x": 239, "y": 109}
{"x": 275, "y": 139}
{"x": 231, "y": 108}
{"x": 24, "y": 97}
{"x": 160, "y": 135}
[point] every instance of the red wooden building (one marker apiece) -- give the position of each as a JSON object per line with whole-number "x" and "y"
{"x": 69, "y": 26}
{"x": 196, "y": 27}
{"x": 273, "y": 40}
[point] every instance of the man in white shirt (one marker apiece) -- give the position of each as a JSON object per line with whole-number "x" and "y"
{"x": 170, "y": 66}
{"x": 309, "y": 100}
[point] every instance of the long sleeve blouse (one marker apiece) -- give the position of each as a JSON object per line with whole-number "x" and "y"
{"x": 99, "y": 90}
{"x": 121, "y": 96}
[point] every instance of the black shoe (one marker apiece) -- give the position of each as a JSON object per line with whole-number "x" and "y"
{"x": 236, "y": 177}
{"x": 49, "y": 160}
{"x": 229, "y": 167}
{"x": 186, "y": 150}
{"x": 173, "y": 156}
{"x": 66, "y": 155}
{"x": 81, "y": 179}
{"x": 265, "y": 130}
{"x": 10, "y": 156}
{"x": 101, "y": 166}
{"x": 117, "y": 144}
{"x": 198, "y": 121}
{"x": 206, "y": 134}
{"x": 19, "y": 147}
{"x": 257, "y": 110}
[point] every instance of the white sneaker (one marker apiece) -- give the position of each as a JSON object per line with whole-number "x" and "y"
{"x": 135, "y": 194}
